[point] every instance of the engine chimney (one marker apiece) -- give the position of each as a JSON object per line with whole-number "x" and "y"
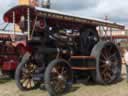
{"x": 46, "y": 4}
{"x": 39, "y": 3}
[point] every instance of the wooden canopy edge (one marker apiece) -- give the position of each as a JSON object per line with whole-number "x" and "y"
{"x": 65, "y": 16}
{"x": 19, "y": 11}
{"x": 49, "y": 13}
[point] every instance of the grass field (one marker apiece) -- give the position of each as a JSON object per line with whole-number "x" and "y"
{"x": 8, "y": 88}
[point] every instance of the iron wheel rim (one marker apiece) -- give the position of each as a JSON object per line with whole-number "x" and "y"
{"x": 59, "y": 78}
{"x": 108, "y": 63}
{"x": 26, "y": 73}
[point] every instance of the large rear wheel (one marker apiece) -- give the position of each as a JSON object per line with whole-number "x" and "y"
{"x": 108, "y": 63}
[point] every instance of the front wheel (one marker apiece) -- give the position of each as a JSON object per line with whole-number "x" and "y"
{"x": 24, "y": 72}
{"x": 58, "y": 77}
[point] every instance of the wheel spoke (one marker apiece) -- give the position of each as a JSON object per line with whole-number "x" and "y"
{"x": 24, "y": 76}
{"x": 108, "y": 68}
{"x": 104, "y": 76}
{"x": 108, "y": 74}
{"x": 113, "y": 55}
{"x": 54, "y": 77}
{"x": 62, "y": 70}
{"x": 109, "y": 50}
{"x": 103, "y": 66}
{"x": 102, "y": 55}
{"x": 32, "y": 83}
{"x": 102, "y": 61}
{"x": 25, "y": 83}
{"x": 57, "y": 84}
{"x": 57, "y": 87}
{"x": 29, "y": 84}
{"x": 54, "y": 70}
{"x": 104, "y": 70}
{"x": 24, "y": 70}
{"x": 105, "y": 51}
{"x": 22, "y": 81}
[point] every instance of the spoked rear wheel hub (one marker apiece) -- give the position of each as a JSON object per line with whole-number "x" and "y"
{"x": 108, "y": 62}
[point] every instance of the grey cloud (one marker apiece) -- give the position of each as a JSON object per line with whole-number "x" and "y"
{"x": 69, "y": 5}
{"x": 116, "y": 10}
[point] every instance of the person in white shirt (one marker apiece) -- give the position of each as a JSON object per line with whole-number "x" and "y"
{"x": 126, "y": 62}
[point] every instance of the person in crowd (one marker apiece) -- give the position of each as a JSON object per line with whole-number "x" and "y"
{"x": 126, "y": 61}
{"x": 34, "y": 3}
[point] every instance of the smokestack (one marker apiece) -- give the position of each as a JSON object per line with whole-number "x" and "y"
{"x": 46, "y": 4}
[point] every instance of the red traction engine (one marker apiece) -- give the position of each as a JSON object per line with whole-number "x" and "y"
{"x": 10, "y": 54}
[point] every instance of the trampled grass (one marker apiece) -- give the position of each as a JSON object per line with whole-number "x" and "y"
{"x": 9, "y": 88}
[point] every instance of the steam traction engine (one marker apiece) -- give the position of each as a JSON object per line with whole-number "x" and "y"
{"x": 10, "y": 52}
{"x": 63, "y": 47}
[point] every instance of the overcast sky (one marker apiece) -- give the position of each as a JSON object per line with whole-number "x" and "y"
{"x": 116, "y": 10}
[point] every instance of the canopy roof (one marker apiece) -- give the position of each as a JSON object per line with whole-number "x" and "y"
{"x": 49, "y": 13}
